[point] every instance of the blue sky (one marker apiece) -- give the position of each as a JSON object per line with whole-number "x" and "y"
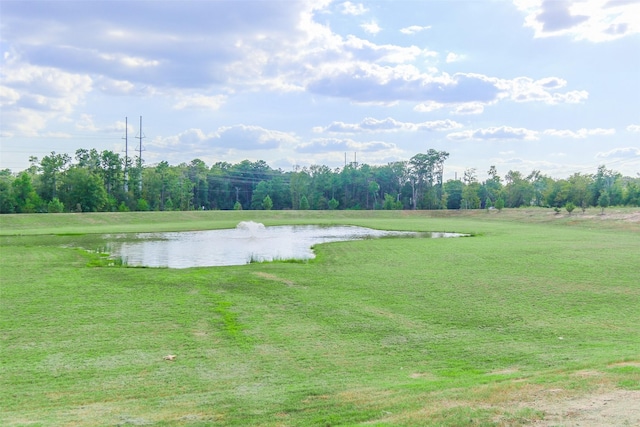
{"x": 549, "y": 85}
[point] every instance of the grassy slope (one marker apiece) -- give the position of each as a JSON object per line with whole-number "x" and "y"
{"x": 402, "y": 332}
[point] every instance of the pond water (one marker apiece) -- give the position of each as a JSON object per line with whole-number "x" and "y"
{"x": 248, "y": 242}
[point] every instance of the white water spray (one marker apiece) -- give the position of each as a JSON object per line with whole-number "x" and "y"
{"x": 250, "y": 227}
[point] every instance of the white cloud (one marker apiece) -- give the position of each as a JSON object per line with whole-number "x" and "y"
{"x": 129, "y": 61}
{"x": 526, "y": 89}
{"x": 115, "y": 87}
{"x": 580, "y": 133}
{"x": 372, "y": 125}
{"x": 371, "y": 27}
{"x": 495, "y": 133}
{"x": 633, "y": 128}
{"x": 278, "y": 47}
{"x": 173, "y": 46}
{"x": 365, "y": 50}
{"x": 8, "y": 96}
{"x": 245, "y": 137}
{"x": 470, "y": 92}
{"x": 200, "y": 101}
{"x": 349, "y": 8}
{"x": 427, "y": 107}
{"x": 366, "y": 82}
{"x": 551, "y": 83}
{"x": 553, "y": 169}
{"x": 571, "y": 97}
{"x": 592, "y": 20}
{"x": 326, "y": 145}
{"x": 414, "y": 29}
{"x": 237, "y": 137}
{"x": 469, "y": 108}
{"x": 85, "y": 123}
{"x": 620, "y": 153}
{"x": 454, "y": 57}
{"x": 32, "y": 96}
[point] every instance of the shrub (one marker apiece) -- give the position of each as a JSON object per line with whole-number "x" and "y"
{"x": 569, "y": 207}
{"x": 55, "y": 206}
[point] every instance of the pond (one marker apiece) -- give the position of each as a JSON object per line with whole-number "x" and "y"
{"x": 248, "y": 242}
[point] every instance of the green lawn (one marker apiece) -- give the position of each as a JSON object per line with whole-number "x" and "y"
{"x": 441, "y": 332}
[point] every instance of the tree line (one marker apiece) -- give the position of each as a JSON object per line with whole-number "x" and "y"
{"x": 94, "y": 181}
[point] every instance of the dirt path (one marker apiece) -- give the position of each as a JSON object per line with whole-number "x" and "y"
{"x": 618, "y": 408}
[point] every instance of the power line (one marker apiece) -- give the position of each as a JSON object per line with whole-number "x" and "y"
{"x": 68, "y": 137}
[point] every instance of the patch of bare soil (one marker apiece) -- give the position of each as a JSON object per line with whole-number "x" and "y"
{"x": 275, "y": 278}
{"x": 616, "y": 215}
{"x": 611, "y": 408}
{"x": 628, "y": 217}
{"x": 633, "y": 217}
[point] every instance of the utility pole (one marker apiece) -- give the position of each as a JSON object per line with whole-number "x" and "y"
{"x": 126, "y": 156}
{"x": 140, "y": 157}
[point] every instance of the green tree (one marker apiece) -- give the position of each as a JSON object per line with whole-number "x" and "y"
{"x": 7, "y": 199}
{"x": 578, "y": 190}
{"x": 390, "y": 203}
{"x": 454, "y": 188}
{"x": 304, "y": 203}
{"x": 142, "y": 205}
{"x": 609, "y": 181}
{"x": 197, "y": 173}
{"x": 261, "y": 191}
{"x": 492, "y": 187}
{"x": 237, "y": 206}
{"x": 55, "y": 206}
{"x": 471, "y": 190}
{"x": 111, "y": 172}
{"x": 267, "y": 203}
{"x": 374, "y": 187}
{"x": 603, "y": 201}
{"x": 426, "y": 171}
{"x": 499, "y": 204}
{"x": 632, "y": 194}
{"x": 333, "y": 204}
{"x": 220, "y": 193}
{"x": 89, "y": 159}
{"x": 570, "y": 207}
{"x": 83, "y": 189}
{"x": 299, "y": 183}
{"x": 26, "y": 199}
{"x": 52, "y": 167}
{"x": 164, "y": 182}
{"x": 518, "y": 191}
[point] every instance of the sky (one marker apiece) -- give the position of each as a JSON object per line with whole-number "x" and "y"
{"x": 522, "y": 85}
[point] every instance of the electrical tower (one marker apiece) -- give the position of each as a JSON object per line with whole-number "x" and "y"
{"x": 126, "y": 156}
{"x": 140, "y": 136}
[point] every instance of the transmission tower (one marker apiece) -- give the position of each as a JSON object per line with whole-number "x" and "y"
{"x": 140, "y": 136}
{"x": 126, "y": 156}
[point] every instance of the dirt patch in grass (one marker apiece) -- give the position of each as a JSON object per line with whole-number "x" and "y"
{"x": 617, "y": 216}
{"x": 623, "y": 364}
{"x": 609, "y": 408}
{"x": 274, "y": 278}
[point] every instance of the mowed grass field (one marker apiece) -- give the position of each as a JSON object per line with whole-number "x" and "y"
{"x": 481, "y": 330}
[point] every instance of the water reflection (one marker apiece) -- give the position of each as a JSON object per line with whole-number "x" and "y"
{"x": 248, "y": 242}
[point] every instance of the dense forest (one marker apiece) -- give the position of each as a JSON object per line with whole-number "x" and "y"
{"x": 104, "y": 181}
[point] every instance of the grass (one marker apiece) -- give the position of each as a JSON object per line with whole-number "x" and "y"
{"x": 435, "y": 332}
